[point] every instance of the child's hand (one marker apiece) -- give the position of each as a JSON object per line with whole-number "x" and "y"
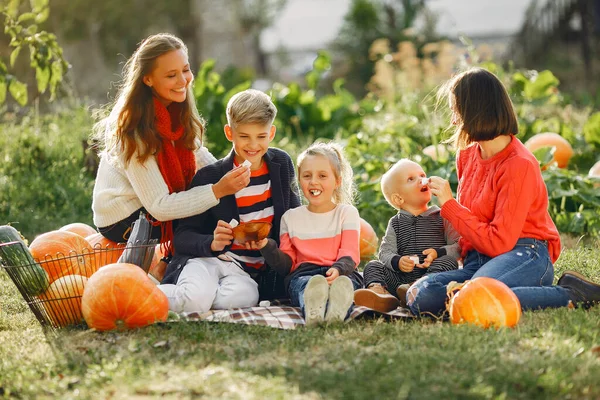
{"x": 431, "y": 255}
{"x": 222, "y": 236}
{"x": 232, "y": 182}
{"x": 406, "y": 264}
{"x": 252, "y": 245}
{"x": 331, "y": 275}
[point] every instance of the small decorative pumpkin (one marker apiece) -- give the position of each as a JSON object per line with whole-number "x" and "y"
{"x": 368, "y": 240}
{"x": 485, "y": 302}
{"x": 62, "y": 300}
{"x": 563, "y": 152}
{"x": 105, "y": 250}
{"x": 83, "y": 230}
{"x": 63, "y": 253}
{"x": 122, "y": 296}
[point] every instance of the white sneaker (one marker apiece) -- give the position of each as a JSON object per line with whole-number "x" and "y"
{"x": 341, "y": 295}
{"x": 315, "y": 300}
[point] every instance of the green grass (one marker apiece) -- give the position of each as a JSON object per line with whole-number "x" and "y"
{"x": 552, "y": 354}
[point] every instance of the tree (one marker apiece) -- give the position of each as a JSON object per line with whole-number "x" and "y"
{"x": 45, "y": 55}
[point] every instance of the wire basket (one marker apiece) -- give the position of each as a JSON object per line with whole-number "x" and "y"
{"x": 53, "y": 287}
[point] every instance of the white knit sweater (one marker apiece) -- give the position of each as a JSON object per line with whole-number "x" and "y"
{"x": 120, "y": 190}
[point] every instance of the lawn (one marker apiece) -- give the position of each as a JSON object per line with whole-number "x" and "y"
{"x": 552, "y": 354}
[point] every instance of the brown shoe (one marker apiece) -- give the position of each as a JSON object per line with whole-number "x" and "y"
{"x": 401, "y": 293}
{"x": 376, "y": 297}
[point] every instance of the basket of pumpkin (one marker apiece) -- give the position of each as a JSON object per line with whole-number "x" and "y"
{"x": 75, "y": 277}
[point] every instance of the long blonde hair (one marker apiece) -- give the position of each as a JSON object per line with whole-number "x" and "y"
{"x": 345, "y": 193}
{"x": 131, "y": 120}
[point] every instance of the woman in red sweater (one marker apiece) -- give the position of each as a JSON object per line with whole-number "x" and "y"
{"x": 501, "y": 209}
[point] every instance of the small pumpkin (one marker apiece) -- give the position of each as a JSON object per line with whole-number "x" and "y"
{"x": 485, "y": 302}
{"x": 83, "y": 230}
{"x": 563, "y": 152}
{"x": 63, "y": 253}
{"x": 105, "y": 250}
{"x": 368, "y": 240}
{"x": 62, "y": 300}
{"x": 122, "y": 296}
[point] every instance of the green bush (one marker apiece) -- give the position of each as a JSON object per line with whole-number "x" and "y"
{"x": 43, "y": 184}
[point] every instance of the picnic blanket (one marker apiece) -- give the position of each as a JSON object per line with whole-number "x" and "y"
{"x": 283, "y": 316}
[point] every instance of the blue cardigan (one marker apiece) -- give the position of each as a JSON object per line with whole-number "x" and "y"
{"x": 194, "y": 235}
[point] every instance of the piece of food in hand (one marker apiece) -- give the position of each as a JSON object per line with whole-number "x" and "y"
{"x": 414, "y": 258}
{"x": 246, "y": 163}
{"x": 424, "y": 181}
{"x": 233, "y": 223}
{"x": 251, "y": 231}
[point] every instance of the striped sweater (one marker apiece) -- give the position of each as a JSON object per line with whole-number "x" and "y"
{"x": 254, "y": 204}
{"x": 408, "y": 235}
{"x": 310, "y": 240}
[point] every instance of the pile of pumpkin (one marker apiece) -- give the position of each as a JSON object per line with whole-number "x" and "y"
{"x": 73, "y": 274}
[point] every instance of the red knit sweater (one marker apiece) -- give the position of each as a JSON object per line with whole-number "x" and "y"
{"x": 500, "y": 200}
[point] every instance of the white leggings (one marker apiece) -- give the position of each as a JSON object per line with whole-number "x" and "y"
{"x": 211, "y": 283}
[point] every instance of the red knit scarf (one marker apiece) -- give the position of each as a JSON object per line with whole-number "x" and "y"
{"x": 176, "y": 163}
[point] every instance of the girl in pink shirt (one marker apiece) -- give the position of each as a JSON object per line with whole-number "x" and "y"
{"x": 319, "y": 242}
{"x": 501, "y": 207}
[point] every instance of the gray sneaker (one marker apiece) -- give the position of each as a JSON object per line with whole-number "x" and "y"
{"x": 341, "y": 295}
{"x": 315, "y": 300}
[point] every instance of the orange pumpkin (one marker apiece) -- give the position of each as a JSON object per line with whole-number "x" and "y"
{"x": 368, "y": 241}
{"x": 563, "y": 152}
{"x": 79, "y": 228}
{"x": 62, "y": 300}
{"x": 105, "y": 250}
{"x": 485, "y": 302}
{"x": 122, "y": 296}
{"x": 63, "y": 253}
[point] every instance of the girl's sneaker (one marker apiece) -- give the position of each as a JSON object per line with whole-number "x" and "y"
{"x": 341, "y": 294}
{"x": 315, "y": 299}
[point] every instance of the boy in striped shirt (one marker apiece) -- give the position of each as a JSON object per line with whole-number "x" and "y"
{"x": 417, "y": 241}
{"x": 209, "y": 269}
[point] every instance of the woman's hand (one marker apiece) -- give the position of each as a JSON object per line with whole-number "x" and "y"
{"x": 441, "y": 189}
{"x": 331, "y": 275}
{"x": 232, "y": 182}
{"x": 222, "y": 236}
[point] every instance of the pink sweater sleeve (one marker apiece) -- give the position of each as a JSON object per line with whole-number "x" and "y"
{"x": 515, "y": 193}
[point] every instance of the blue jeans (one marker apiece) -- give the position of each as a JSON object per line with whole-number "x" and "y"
{"x": 526, "y": 269}
{"x": 298, "y": 284}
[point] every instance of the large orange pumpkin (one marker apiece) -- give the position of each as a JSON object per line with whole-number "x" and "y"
{"x": 83, "y": 230}
{"x": 62, "y": 300}
{"x": 105, "y": 250}
{"x": 368, "y": 240}
{"x": 563, "y": 152}
{"x": 63, "y": 253}
{"x": 122, "y": 296}
{"x": 485, "y": 302}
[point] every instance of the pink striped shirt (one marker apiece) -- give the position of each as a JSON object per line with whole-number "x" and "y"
{"x": 320, "y": 238}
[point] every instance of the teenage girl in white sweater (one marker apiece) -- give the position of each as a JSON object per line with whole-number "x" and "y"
{"x": 152, "y": 146}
